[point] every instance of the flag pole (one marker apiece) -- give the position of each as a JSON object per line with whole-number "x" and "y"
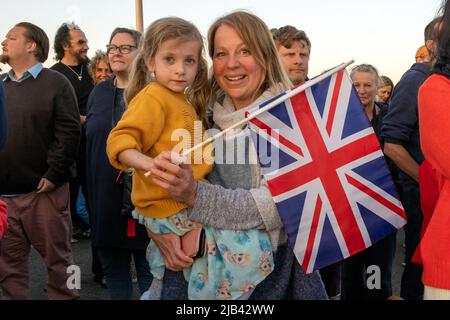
{"x": 274, "y": 103}
{"x": 139, "y": 16}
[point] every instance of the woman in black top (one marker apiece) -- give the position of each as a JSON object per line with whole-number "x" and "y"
{"x": 116, "y": 235}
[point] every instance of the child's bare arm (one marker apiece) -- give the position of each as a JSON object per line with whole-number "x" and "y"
{"x": 134, "y": 159}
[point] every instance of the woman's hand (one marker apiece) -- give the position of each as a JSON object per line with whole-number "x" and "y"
{"x": 170, "y": 247}
{"x": 178, "y": 180}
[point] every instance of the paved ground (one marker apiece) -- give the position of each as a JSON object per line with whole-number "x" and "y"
{"x": 90, "y": 290}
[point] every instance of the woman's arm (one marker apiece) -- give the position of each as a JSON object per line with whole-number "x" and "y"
{"x": 214, "y": 205}
{"x": 235, "y": 209}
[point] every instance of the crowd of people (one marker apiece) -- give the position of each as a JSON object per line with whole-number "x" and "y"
{"x": 85, "y": 149}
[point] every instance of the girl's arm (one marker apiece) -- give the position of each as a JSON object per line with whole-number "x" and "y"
{"x": 135, "y": 159}
{"x": 135, "y": 134}
{"x": 214, "y": 205}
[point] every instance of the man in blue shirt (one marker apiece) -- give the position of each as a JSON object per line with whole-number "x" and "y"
{"x": 36, "y": 163}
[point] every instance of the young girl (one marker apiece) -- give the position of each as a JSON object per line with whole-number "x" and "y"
{"x": 177, "y": 96}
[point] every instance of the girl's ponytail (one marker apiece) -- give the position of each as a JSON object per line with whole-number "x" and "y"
{"x": 138, "y": 78}
{"x": 199, "y": 94}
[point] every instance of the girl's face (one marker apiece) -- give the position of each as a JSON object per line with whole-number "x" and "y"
{"x": 235, "y": 68}
{"x": 176, "y": 64}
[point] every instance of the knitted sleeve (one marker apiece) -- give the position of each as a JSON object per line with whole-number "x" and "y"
{"x": 434, "y": 97}
{"x": 139, "y": 128}
{"x": 235, "y": 209}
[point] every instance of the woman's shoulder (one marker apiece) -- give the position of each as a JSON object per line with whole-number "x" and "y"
{"x": 436, "y": 84}
{"x": 102, "y": 88}
{"x": 436, "y": 81}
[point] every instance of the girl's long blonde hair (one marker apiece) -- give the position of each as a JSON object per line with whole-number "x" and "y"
{"x": 158, "y": 32}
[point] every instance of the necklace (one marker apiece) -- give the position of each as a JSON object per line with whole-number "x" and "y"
{"x": 79, "y": 76}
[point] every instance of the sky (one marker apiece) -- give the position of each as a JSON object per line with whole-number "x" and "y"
{"x": 384, "y": 33}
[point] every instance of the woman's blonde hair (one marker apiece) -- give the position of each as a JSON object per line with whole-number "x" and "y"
{"x": 257, "y": 37}
{"x": 158, "y": 32}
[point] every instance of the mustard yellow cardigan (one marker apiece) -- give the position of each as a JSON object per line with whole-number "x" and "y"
{"x": 158, "y": 120}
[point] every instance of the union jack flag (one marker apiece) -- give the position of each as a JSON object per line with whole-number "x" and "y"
{"x": 330, "y": 181}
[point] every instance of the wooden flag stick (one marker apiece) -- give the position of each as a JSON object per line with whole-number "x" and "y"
{"x": 274, "y": 103}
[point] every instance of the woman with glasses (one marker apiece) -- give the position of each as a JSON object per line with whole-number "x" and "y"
{"x": 114, "y": 233}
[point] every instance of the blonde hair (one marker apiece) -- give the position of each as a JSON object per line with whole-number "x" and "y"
{"x": 257, "y": 37}
{"x": 157, "y": 33}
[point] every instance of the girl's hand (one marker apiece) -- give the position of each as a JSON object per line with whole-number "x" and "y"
{"x": 170, "y": 247}
{"x": 178, "y": 180}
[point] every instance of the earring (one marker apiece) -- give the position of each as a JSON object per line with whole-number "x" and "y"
{"x": 152, "y": 76}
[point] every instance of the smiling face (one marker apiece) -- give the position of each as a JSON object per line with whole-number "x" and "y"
{"x": 102, "y": 71}
{"x": 120, "y": 62}
{"x": 295, "y": 61}
{"x": 175, "y": 63}
{"x": 78, "y": 47}
{"x": 235, "y": 68}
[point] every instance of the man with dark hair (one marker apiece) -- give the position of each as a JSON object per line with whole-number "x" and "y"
{"x": 402, "y": 144}
{"x": 36, "y": 164}
{"x": 71, "y": 48}
{"x": 294, "y": 49}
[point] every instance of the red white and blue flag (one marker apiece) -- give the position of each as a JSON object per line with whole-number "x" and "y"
{"x": 327, "y": 173}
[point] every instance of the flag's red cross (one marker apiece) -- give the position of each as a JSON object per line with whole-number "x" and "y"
{"x": 324, "y": 165}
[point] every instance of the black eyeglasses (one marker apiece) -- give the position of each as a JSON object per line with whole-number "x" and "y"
{"x": 124, "y": 49}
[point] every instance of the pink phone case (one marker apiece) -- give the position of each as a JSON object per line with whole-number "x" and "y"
{"x": 193, "y": 243}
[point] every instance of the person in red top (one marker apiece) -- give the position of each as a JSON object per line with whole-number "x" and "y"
{"x": 3, "y": 223}
{"x": 434, "y": 97}
{"x": 3, "y": 216}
